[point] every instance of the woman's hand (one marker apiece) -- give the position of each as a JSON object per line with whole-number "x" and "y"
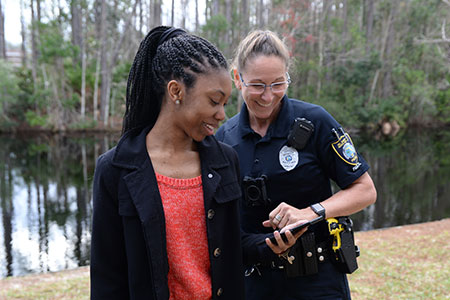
{"x": 281, "y": 245}
{"x": 285, "y": 214}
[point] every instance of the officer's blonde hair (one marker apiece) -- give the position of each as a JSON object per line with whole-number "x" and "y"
{"x": 259, "y": 42}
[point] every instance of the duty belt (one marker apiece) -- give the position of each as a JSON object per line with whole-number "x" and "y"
{"x": 305, "y": 256}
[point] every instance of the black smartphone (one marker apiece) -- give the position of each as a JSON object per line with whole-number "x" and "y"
{"x": 294, "y": 231}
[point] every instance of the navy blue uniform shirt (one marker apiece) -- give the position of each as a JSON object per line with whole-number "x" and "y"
{"x": 299, "y": 179}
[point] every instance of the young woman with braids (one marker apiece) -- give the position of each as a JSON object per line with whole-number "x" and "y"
{"x": 165, "y": 221}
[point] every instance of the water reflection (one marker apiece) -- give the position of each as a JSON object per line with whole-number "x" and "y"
{"x": 45, "y": 192}
{"x": 412, "y": 176}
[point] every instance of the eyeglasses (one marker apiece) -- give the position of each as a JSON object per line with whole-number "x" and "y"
{"x": 259, "y": 88}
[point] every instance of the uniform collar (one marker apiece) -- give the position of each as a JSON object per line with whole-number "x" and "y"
{"x": 278, "y": 128}
{"x": 131, "y": 151}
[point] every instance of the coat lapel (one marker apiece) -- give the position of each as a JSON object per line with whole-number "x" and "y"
{"x": 143, "y": 189}
{"x": 212, "y": 159}
{"x": 144, "y": 192}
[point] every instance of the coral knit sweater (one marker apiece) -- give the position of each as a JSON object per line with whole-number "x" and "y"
{"x": 187, "y": 244}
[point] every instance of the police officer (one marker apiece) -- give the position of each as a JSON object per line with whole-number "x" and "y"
{"x": 288, "y": 151}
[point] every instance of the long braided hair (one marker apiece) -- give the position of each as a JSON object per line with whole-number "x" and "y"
{"x": 165, "y": 54}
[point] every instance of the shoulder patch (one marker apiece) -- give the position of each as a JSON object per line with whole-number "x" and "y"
{"x": 345, "y": 150}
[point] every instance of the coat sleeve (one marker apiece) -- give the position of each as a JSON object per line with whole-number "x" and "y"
{"x": 255, "y": 252}
{"x": 109, "y": 278}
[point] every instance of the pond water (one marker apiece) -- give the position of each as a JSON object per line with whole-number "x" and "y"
{"x": 46, "y": 190}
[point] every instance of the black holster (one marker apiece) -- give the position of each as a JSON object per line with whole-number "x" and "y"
{"x": 345, "y": 256}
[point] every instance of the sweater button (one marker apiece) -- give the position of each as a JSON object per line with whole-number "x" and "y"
{"x": 210, "y": 175}
{"x": 217, "y": 252}
{"x": 219, "y": 292}
{"x": 211, "y": 214}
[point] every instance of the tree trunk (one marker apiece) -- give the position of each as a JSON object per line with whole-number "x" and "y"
{"x": 215, "y": 7}
{"x": 183, "y": 13}
{"x": 197, "y": 24}
{"x": 368, "y": 20}
{"x": 244, "y": 18}
{"x": 309, "y": 76}
{"x": 382, "y": 52}
{"x": 77, "y": 31}
{"x": 104, "y": 100}
{"x": 141, "y": 19}
{"x": 2, "y": 33}
{"x": 34, "y": 50}
{"x": 260, "y": 16}
{"x": 23, "y": 49}
{"x": 172, "y": 19}
{"x": 83, "y": 69}
{"x": 107, "y": 62}
{"x": 322, "y": 23}
{"x": 387, "y": 79}
{"x": 344, "y": 26}
{"x": 97, "y": 79}
{"x": 156, "y": 12}
{"x": 229, "y": 16}
{"x": 98, "y": 32}
{"x": 38, "y": 10}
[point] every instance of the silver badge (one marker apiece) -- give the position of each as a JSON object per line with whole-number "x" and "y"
{"x": 288, "y": 158}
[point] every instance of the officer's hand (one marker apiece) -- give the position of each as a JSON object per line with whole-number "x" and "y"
{"x": 284, "y": 214}
{"x": 282, "y": 246}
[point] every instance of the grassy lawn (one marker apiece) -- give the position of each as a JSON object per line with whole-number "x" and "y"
{"x": 71, "y": 284}
{"x": 408, "y": 262}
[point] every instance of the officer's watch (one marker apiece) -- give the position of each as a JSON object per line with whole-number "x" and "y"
{"x": 318, "y": 209}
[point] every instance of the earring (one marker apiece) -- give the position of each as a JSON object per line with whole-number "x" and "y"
{"x": 177, "y": 102}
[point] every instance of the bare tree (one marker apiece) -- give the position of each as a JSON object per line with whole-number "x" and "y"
{"x": 197, "y": 24}
{"x": 108, "y": 59}
{"x": 83, "y": 67}
{"x": 215, "y": 7}
{"x": 23, "y": 34}
{"x": 368, "y": 21}
{"x": 390, "y": 39}
{"x": 105, "y": 76}
{"x": 156, "y": 12}
{"x": 344, "y": 25}
{"x": 77, "y": 34}
{"x": 183, "y": 13}
{"x": 387, "y": 28}
{"x": 172, "y": 19}
{"x": 141, "y": 18}
{"x": 260, "y": 16}
{"x": 34, "y": 50}
{"x": 323, "y": 17}
{"x": 228, "y": 15}
{"x": 244, "y": 18}
{"x": 2, "y": 33}
{"x": 38, "y": 10}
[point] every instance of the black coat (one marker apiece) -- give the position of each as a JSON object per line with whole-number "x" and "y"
{"x": 128, "y": 248}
